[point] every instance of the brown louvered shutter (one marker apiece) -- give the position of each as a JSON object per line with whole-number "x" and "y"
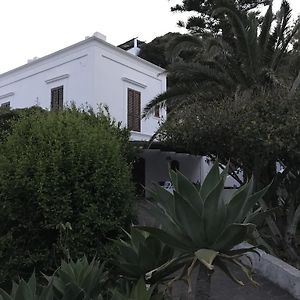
{"x": 134, "y": 110}
{"x": 57, "y": 100}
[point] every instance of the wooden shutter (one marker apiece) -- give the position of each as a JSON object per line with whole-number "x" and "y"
{"x": 57, "y": 98}
{"x": 134, "y": 110}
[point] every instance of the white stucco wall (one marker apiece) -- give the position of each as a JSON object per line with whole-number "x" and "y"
{"x": 32, "y": 84}
{"x": 92, "y": 72}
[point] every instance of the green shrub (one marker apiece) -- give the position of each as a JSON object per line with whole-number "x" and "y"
{"x": 56, "y": 168}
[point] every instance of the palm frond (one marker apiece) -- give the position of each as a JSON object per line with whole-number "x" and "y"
{"x": 266, "y": 29}
{"x": 241, "y": 36}
{"x": 181, "y": 44}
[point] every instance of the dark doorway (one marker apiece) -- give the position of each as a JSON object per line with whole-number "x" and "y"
{"x": 139, "y": 171}
{"x": 174, "y": 165}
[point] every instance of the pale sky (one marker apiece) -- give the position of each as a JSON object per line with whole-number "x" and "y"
{"x": 32, "y": 28}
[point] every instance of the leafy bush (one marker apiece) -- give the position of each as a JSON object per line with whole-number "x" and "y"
{"x": 57, "y": 168}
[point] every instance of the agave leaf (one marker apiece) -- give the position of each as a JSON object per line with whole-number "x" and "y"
{"x": 214, "y": 212}
{"x": 190, "y": 222}
{"x": 47, "y": 293}
{"x": 137, "y": 237}
{"x": 239, "y": 252}
{"x": 173, "y": 177}
{"x": 236, "y": 205}
{"x": 190, "y": 193}
{"x": 166, "y": 238}
{"x": 222, "y": 264}
{"x": 4, "y": 295}
{"x": 32, "y": 283}
{"x": 233, "y": 235}
{"x": 207, "y": 257}
{"x": 259, "y": 216}
{"x": 210, "y": 181}
{"x": 253, "y": 199}
{"x": 128, "y": 253}
{"x": 23, "y": 291}
{"x": 248, "y": 271}
{"x": 167, "y": 222}
{"x": 165, "y": 200}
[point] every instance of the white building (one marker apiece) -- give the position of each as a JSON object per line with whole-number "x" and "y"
{"x": 93, "y": 72}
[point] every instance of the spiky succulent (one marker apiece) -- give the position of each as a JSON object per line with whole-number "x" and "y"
{"x": 142, "y": 253}
{"x": 28, "y": 291}
{"x": 139, "y": 292}
{"x": 202, "y": 223}
{"x": 79, "y": 280}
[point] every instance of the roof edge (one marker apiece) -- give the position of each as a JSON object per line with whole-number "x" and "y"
{"x": 86, "y": 41}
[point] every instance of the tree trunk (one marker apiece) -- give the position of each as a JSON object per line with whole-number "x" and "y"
{"x": 203, "y": 283}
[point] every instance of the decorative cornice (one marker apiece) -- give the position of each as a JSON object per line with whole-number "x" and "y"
{"x": 6, "y": 95}
{"x": 134, "y": 82}
{"x": 57, "y": 78}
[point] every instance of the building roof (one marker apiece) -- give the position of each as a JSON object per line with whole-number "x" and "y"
{"x": 83, "y": 42}
{"x": 130, "y": 44}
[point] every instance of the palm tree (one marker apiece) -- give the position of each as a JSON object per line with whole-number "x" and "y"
{"x": 216, "y": 69}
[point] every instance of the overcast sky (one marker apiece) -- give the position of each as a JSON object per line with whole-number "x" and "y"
{"x": 32, "y": 28}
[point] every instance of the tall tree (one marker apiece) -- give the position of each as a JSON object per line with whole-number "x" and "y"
{"x": 251, "y": 64}
{"x": 202, "y": 21}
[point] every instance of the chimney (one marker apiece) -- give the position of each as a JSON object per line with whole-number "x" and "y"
{"x": 32, "y": 59}
{"x": 99, "y": 36}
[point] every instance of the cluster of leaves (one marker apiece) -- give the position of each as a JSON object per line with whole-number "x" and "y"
{"x": 255, "y": 60}
{"x": 239, "y": 102}
{"x": 78, "y": 280}
{"x": 57, "y": 168}
{"x": 202, "y": 224}
{"x": 204, "y": 22}
{"x": 196, "y": 227}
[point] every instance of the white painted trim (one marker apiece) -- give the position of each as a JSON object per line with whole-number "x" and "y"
{"x": 85, "y": 42}
{"x": 57, "y": 78}
{"x": 7, "y": 95}
{"x": 134, "y": 82}
{"x": 130, "y": 67}
{"x": 44, "y": 70}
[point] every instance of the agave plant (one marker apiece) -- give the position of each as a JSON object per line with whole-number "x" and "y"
{"x": 143, "y": 253}
{"x": 139, "y": 292}
{"x": 28, "y": 291}
{"x": 200, "y": 223}
{"x": 79, "y": 280}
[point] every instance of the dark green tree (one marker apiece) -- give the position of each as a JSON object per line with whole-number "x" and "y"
{"x": 204, "y": 22}
{"x": 250, "y": 65}
{"x": 154, "y": 51}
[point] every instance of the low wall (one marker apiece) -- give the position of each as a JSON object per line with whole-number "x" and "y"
{"x": 276, "y": 270}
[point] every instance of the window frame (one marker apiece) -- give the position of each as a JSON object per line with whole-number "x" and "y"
{"x": 60, "y": 98}
{"x": 134, "y": 109}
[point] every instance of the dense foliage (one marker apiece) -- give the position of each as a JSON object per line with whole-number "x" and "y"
{"x": 154, "y": 51}
{"x": 190, "y": 232}
{"x": 65, "y": 188}
{"x": 239, "y": 101}
{"x": 202, "y": 21}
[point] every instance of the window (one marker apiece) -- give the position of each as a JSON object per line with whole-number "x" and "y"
{"x": 5, "y": 105}
{"x": 156, "y": 111}
{"x": 134, "y": 110}
{"x": 57, "y": 95}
